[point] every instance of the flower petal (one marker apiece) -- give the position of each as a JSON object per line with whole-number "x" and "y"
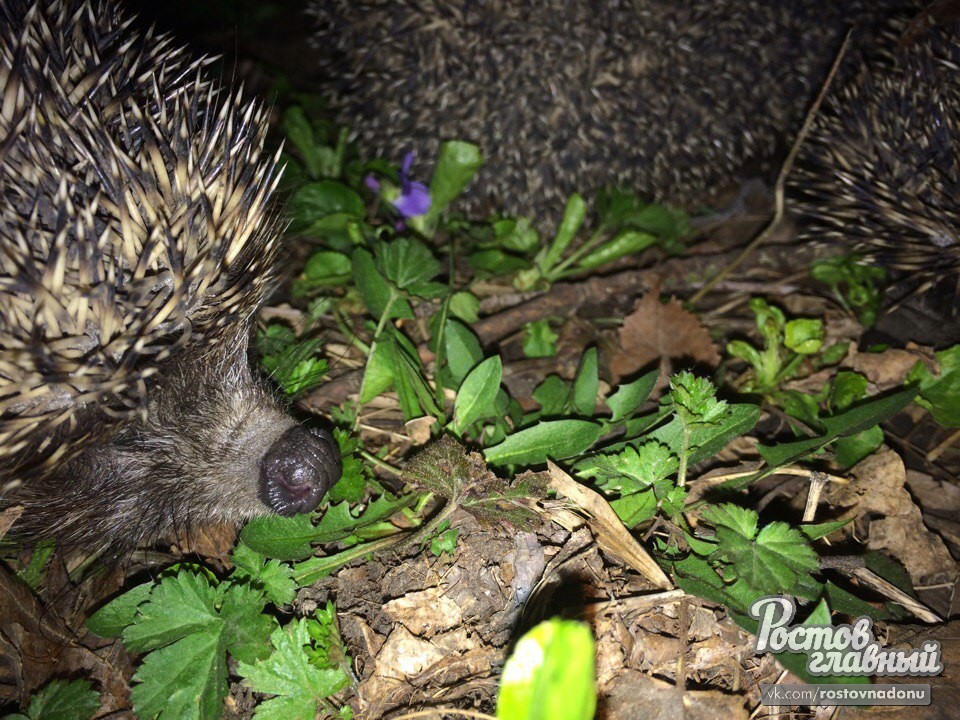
{"x": 414, "y": 200}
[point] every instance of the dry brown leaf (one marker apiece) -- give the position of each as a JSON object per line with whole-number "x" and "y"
{"x": 607, "y": 527}
{"x": 878, "y": 493}
{"x": 889, "y": 368}
{"x": 424, "y": 613}
{"x": 655, "y": 330}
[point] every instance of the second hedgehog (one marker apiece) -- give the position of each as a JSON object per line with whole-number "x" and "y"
{"x": 135, "y": 246}
{"x": 667, "y": 97}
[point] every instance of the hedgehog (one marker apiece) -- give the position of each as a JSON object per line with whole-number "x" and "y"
{"x": 137, "y": 242}
{"x": 879, "y": 175}
{"x": 671, "y": 99}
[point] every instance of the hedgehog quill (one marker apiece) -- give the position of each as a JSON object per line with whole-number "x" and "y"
{"x": 671, "y": 98}
{"x": 136, "y": 244}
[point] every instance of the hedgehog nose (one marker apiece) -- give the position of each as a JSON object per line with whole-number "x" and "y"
{"x": 298, "y": 469}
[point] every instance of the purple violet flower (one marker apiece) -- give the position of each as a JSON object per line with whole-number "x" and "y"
{"x": 414, "y": 197}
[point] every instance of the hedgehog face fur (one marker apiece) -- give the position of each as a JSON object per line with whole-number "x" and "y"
{"x": 672, "y": 98}
{"x": 135, "y": 246}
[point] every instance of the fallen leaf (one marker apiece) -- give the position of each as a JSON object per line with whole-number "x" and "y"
{"x": 655, "y": 330}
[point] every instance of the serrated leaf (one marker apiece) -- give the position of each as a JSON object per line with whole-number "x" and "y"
{"x": 246, "y": 628}
{"x": 186, "y": 680}
{"x": 110, "y": 620}
{"x": 407, "y": 262}
{"x": 477, "y": 394}
{"x": 374, "y": 288}
{"x": 179, "y": 606}
{"x": 743, "y": 521}
{"x": 775, "y": 562}
{"x": 553, "y": 439}
{"x": 275, "y": 578}
{"x": 62, "y": 700}
{"x": 289, "y": 674}
{"x": 707, "y": 440}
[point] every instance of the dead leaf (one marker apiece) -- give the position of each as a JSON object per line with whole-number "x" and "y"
{"x": 877, "y": 495}
{"x": 655, "y": 330}
{"x": 424, "y": 613}
{"x": 607, "y": 527}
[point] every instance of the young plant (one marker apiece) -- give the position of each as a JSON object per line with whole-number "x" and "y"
{"x": 786, "y": 344}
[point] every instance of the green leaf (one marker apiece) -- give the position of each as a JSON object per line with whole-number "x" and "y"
{"x": 586, "y": 384}
{"x": 539, "y": 340}
{"x": 328, "y": 268}
{"x": 846, "y": 389}
{"x": 550, "y": 674}
{"x": 457, "y": 163}
{"x": 573, "y": 215}
{"x": 552, "y": 395}
{"x": 463, "y": 350}
{"x": 465, "y": 305}
{"x": 477, "y": 394}
{"x": 246, "y": 628}
{"x": 745, "y": 351}
{"x": 413, "y": 392}
{"x": 179, "y": 605}
{"x": 381, "y": 370}
{"x": 635, "y": 469}
{"x": 819, "y": 530}
{"x": 848, "y": 451}
{"x": 497, "y": 262}
{"x": 273, "y": 577}
{"x": 517, "y": 235}
{"x": 629, "y": 397}
{"x": 291, "y": 538}
{"x": 626, "y": 242}
{"x": 299, "y": 685}
{"x": 284, "y": 538}
{"x": 373, "y": 287}
{"x": 110, "y": 620}
{"x": 62, "y": 700}
{"x": 634, "y": 509}
{"x": 407, "y": 262}
{"x": 741, "y": 520}
{"x": 186, "y": 680}
{"x": 804, "y": 335}
{"x": 860, "y": 417}
{"x": 707, "y": 440}
{"x": 317, "y": 200}
{"x": 555, "y": 439}
{"x": 777, "y": 559}
{"x": 299, "y": 131}
{"x": 940, "y": 394}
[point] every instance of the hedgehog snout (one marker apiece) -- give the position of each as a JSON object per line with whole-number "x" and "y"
{"x": 298, "y": 469}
